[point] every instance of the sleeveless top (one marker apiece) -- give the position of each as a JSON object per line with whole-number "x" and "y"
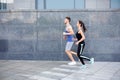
{"x": 69, "y": 37}
{"x": 79, "y": 36}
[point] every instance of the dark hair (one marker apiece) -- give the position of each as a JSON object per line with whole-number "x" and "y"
{"x": 68, "y": 18}
{"x": 83, "y": 25}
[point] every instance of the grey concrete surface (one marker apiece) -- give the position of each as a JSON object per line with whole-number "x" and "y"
{"x": 57, "y": 70}
{"x": 37, "y": 35}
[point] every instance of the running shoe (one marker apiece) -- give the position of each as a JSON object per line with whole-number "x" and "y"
{"x": 91, "y": 60}
{"x": 83, "y": 67}
{"x": 72, "y": 63}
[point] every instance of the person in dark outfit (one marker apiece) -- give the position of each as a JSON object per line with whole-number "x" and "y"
{"x": 80, "y": 37}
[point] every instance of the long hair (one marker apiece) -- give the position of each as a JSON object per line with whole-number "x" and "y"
{"x": 83, "y": 25}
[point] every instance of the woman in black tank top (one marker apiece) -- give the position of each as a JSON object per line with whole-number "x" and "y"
{"x": 81, "y": 43}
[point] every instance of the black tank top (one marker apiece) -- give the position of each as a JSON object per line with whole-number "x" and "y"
{"x": 78, "y": 36}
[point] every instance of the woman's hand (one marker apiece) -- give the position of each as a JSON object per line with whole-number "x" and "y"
{"x": 77, "y": 43}
{"x": 74, "y": 39}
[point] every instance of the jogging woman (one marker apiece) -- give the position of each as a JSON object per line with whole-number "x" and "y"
{"x": 81, "y": 43}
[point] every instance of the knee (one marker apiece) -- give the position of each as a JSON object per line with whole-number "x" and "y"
{"x": 78, "y": 54}
{"x": 67, "y": 51}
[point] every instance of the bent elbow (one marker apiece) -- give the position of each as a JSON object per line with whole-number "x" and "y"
{"x": 72, "y": 33}
{"x": 84, "y": 38}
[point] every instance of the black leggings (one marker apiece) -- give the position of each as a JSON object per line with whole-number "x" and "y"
{"x": 80, "y": 51}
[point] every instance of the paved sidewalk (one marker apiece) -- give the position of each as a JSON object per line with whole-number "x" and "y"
{"x": 57, "y": 70}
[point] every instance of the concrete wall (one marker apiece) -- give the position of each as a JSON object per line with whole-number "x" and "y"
{"x": 37, "y": 35}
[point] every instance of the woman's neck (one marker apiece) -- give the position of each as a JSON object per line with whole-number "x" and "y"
{"x": 79, "y": 28}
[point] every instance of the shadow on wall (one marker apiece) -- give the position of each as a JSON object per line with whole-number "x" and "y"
{"x": 3, "y": 45}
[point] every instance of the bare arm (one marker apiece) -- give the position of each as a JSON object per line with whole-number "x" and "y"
{"x": 70, "y": 30}
{"x": 83, "y": 36}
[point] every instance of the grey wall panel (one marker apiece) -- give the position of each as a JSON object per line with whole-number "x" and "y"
{"x": 18, "y": 17}
{"x": 21, "y": 46}
{"x": 50, "y": 45}
{"x": 19, "y": 56}
{"x": 104, "y": 46}
{"x": 37, "y": 35}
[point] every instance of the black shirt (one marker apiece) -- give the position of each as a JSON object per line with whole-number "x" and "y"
{"x": 79, "y": 36}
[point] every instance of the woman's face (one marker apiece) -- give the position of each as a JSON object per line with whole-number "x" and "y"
{"x": 78, "y": 24}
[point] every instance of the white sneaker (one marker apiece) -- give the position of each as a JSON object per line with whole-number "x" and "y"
{"x": 83, "y": 67}
{"x": 72, "y": 63}
{"x": 92, "y": 60}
